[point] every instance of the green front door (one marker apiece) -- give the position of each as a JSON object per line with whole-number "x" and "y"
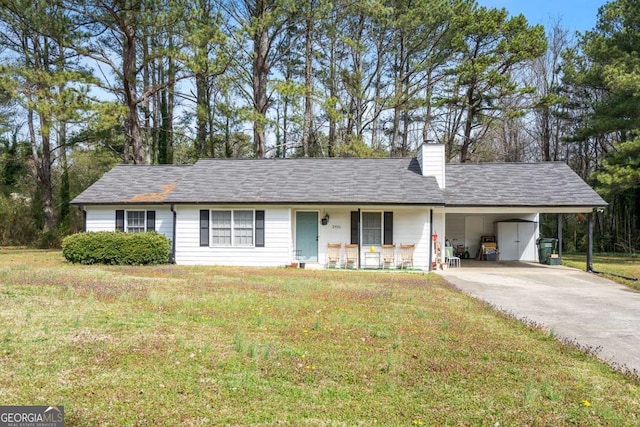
{"x": 307, "y": 236}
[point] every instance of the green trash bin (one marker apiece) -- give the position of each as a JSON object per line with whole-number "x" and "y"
{"x": 547, "y": 246}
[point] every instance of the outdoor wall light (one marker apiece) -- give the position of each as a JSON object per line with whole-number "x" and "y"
{"x": 325, "y": 219}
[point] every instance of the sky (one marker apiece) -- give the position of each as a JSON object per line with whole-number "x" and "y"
{"x": 575, "y": 15}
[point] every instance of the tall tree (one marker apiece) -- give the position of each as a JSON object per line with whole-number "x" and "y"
{"x": 42, "y": 79}
{"x": 603, "y": 74}
{"x": 263, "y": 23}
{"x": 491, "y": 46}
{"x": 613, "y": 49}
{"x": 117, "y": 38}
{"x": 207, "y": 59}
{"x": 550, "y": 125}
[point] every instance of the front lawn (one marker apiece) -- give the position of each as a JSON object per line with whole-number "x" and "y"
{"x": 171, "y": 345}
{"x": 620, "y": 264}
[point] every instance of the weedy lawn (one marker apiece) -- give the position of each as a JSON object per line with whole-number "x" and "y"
{"x": 625, "y": 265}
{"x": 171, "y": 345}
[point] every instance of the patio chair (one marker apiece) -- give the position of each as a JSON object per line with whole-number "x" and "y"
{"x": 334, "y": 254}
{"x": 388, "y": 255}
{"x": 351, "y": 256}
{"x": 406, "y": 255}
{"x": 449, "y": 258}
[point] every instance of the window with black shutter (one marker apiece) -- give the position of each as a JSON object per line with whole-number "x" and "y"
{"x": 388, "y": 228}
{"x": 260, "y": 229}
{"x": 151, "y": 220}
{"x": 355, "y": 227}
{"x": 120, "y": 220}
{"x": 204, "y": 227}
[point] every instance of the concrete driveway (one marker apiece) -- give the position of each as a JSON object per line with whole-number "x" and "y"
{"x": 575, "y": 305}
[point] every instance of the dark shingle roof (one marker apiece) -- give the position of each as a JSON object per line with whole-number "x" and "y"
{"x": 342, "y": 181}
{"x": 321, "y": 181}
{"x": 551, "y": 184}
{"x": 312, "y": 180}
{"x": 133, "y": 184}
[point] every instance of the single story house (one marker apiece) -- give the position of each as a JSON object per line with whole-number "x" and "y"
{"x": 274, "y": 212}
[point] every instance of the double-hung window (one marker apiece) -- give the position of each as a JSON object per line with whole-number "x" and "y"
{"x": 242, "y": 228}
{"x": 371, "y": 228}
{"x": 232, "y": 228}
{"x": 221, "y": 228}
{"x": 136, "y": 221}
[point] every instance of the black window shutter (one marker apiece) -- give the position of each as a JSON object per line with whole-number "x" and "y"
{"x": 388, "y": 228}
{"x": 151, "y": 220}
{"x": 204, "y": 228}
{"x": 355, "y": 227}
{"x": 119, "y": 220}
{"x": 260, "y": 229}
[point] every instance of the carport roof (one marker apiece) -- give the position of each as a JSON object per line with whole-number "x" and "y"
{"x": 548, "y": 184}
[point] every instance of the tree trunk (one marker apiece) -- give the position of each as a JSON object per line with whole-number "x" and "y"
{"x": 377, "y": 106}
{"x": 133, "y": 134}
{"x": 42, "y": 168}
{"x": 260, "y": 73}
{"x": 201, "y": 114}
{"x": 427, "y": 113}
{"x": 468, "y": 126}
{"x": 308, "y": 82}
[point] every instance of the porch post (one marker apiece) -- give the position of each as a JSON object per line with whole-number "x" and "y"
{"x": 590, "y": 243}
{"x": 560, "y": 217}
{"x": 359, "y": 238}
{"x": 430, "y": 239}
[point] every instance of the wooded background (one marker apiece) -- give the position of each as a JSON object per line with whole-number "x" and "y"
{"x": 86, "y": 84}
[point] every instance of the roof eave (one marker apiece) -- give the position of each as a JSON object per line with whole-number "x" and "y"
{"x": 258, "y": 202}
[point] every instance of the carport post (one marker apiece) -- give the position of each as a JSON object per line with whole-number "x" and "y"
{"x": 590, "y": 243}
{"x": 430, "y": 240}
{"x": 560, "y": 217}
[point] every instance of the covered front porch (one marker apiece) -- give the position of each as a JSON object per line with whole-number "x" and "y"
{"x": 362, "y": 236}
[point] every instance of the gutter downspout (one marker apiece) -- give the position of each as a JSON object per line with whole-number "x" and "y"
{"x": 560, "y": 218}
{"x": 172, "y": 256}
{"x": 359, "y": 239}
{"x": 430, "y": 239}
{"x": 84, "y": 217}
{"x": 590, "y": 244}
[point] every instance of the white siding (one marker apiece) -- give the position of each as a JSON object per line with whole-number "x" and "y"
{"x": 431, "y": 160}
{"x": 277, "y": 234}
{"x": 338, "y": 230}
{"x": 440, "y": 228}
{"x": 410, "y": 225}
{"x": 103, "y": 218}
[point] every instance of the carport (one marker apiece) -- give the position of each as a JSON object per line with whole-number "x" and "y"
{"x": 505, "y": 201}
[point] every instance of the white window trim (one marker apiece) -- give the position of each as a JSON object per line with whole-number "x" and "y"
{"x": 381, "y": 213}
{"x": 233, "y": 237}
{"x": 126, "y": 220}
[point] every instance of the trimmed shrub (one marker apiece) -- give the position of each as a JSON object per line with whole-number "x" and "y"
{"x": 116, "y": 248}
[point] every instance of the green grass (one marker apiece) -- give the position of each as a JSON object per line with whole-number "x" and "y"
{"x": 625, "y": 265}
{"x": 171, "y": 345}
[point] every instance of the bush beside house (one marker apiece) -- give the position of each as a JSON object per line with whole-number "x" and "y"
{"x": 115, "y": 247}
